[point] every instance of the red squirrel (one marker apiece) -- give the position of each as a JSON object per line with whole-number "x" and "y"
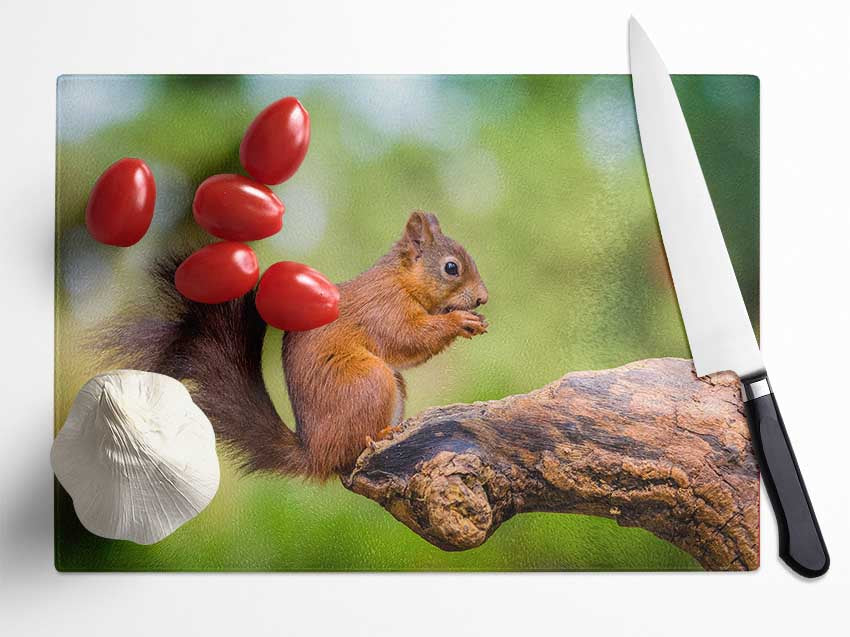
{"x": 344, "y": 379}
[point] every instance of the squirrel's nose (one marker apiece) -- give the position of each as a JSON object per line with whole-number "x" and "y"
{"x": 482, "y": 298}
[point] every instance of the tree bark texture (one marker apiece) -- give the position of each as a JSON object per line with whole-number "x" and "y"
{"x": 649, "y": 445}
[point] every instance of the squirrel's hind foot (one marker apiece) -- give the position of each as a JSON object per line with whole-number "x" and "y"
{"x": 384, "y": 434}
{"x": 388, "y": 432}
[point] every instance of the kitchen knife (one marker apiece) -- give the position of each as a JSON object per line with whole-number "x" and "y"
{"x": 713, "y": 311}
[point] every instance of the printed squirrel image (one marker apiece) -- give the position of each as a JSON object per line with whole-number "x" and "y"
{"x": 344, "y": 379}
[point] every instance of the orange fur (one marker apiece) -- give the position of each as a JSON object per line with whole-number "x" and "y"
{"x": 343, "y": 378}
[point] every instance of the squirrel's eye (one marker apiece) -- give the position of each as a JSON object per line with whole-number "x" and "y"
{"x": 451, "y": 268}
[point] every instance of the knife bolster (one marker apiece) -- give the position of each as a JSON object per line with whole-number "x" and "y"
{"x": 755, "y": 388}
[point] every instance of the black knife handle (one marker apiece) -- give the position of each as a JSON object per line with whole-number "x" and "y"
{"x": 801, "y": 544}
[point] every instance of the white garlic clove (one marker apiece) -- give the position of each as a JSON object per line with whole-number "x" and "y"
{"x": 137, "y": 456}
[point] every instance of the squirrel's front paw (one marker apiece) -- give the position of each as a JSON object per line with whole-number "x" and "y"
{"x": 470, "y": 323}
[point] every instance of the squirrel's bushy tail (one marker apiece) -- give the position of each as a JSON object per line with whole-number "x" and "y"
{"x": 217, "y": 350}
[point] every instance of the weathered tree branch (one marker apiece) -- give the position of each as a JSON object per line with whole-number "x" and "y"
{"x": 648, "y": 445}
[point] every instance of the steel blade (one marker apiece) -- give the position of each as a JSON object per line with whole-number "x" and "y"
{"x": 718, "y": 328}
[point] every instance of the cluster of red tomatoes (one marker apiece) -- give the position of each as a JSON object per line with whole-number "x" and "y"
{"x": 290, "y": 296}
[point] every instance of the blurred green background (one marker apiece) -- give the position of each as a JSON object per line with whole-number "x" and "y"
{"x": 540, "y": 177}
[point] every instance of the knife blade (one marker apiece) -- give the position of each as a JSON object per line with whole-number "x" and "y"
{"x": 716, "y": 322}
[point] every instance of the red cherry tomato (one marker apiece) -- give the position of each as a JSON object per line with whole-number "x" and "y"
{"x": 276, "y": 141}
{"x": 295, "y": 297}
{"x": 237, "y": 208}
{"x": 217, "y": 273}
{"x": 121, "y": 203}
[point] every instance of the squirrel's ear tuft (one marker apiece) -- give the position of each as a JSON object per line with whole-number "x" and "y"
{"x": 420, "y": 230}
{"x": 433, "y": 224}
